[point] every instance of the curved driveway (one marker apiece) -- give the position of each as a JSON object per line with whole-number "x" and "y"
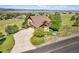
{"x": 22, "y": 40}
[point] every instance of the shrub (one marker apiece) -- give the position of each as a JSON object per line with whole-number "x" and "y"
{"x": 41, "y": 13}
{"x": 57, "y": 13}
{"x": 37, "y": 40}
{"x": 24, "y": 25}
{"x": 76, "y": 23}
{"x": 53, "y": 27}
{"x": 56, "y": 22}
{"x": 2, "y": 38}
{"x": 65, "y": 30}
{"x": 50, "y": 32}
{"x": 16, "y": 29}
{"x": 1, "y": 35}
{"x": 51, "y": 17}
{"x": 75, "y": 30}
{"x": 39, "y": 32}
{"x": 11, "y": 29}
{"x": 72, "y": 18}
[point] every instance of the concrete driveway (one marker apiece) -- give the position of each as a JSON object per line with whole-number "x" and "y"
{"x": 22, "y": 40}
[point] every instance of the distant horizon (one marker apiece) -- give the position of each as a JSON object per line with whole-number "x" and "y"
{"x": 41, "y": 7}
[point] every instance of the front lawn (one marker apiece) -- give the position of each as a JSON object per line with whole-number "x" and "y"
{"x": 8, "y": 44}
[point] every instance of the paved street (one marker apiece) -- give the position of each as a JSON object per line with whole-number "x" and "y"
{"x": 70, "y": 45}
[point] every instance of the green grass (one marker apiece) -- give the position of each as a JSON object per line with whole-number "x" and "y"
{"x": 4, "y": 23}
{"x": 66, "y": 19}
{"x": 66, "y": 27}
{"x": 8, "y": 44}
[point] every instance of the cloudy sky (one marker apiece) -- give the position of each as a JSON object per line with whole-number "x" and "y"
{"x": 49, "y": 7}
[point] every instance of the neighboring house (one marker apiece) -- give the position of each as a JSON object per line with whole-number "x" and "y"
{"x": 39, "y": 21}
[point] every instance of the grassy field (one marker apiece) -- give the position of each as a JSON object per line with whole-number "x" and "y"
{"x": 8, "y": 44}
{"x": 67, "y": 25}
{"x": 66, "y": 19}
{"x": 4, "y": 23}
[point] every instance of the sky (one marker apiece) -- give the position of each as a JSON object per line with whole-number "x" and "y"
{"x": 49, "y": 7}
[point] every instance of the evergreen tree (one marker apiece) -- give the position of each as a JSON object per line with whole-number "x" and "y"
{"x": 56, "y": 22}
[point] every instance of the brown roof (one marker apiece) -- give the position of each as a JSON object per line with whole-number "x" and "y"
{"x": 39, "y": 20}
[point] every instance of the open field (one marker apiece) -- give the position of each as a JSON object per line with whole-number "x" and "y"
{"x": 4, "y": 23}
{"x": 66, "y": 19}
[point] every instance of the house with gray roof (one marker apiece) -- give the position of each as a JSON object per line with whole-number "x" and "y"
{"x": 39, "y": 21}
